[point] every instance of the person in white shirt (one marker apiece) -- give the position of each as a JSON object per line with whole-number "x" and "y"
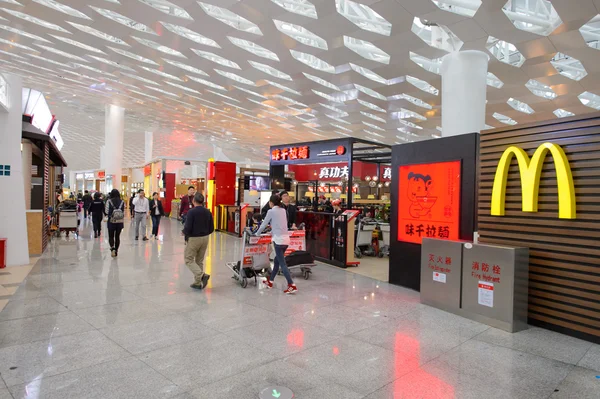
{"x": 277, "y": 217}
{"x": 142, "y": 213}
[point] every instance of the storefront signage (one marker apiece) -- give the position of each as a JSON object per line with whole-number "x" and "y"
{"x": 35, "y": 105}
{"x": 531, "y": 171}
{"x": 101, "y": 174}
{"x": 290, "y": 153}
{"x": 317, "y": 152}
{"x": 429, "y": 201}
{"x": 147, "y": 170}
{"x": 334, "y": 173}
{"x": 387, "y": 173}
{"x": 88, "y": 176}
{"x": 79, "y": 176}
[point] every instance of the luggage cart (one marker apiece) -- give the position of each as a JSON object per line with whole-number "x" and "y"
{"x": 68, "y": 221}
{"x": 385, "y": 233}
{"x": 298, "y": 243}
{"x": 254, "y": 258}
{"x": 364, "y": 238}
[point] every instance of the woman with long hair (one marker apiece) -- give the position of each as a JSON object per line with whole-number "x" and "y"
{"x": 115, "y": 210}
{"x": 277, "y": 218}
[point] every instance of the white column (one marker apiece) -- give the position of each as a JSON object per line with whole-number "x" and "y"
{"x": 26, "y": 157}
{"x": 464, "y": 88}
{"x": 148, "y": 147}
{"x": 13, "y": 222}
{"x": 72, "y": 181}
{"x": 114, "y": 127}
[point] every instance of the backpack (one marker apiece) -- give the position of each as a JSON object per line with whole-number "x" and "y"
{"x": 117, "y": 216}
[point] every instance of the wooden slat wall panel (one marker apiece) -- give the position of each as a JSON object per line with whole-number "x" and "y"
{"x": 564, "y": 270}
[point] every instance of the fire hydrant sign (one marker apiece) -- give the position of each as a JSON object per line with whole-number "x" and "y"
{"x": 486, "y": 294}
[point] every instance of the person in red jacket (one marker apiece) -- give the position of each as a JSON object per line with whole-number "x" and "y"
{"x": 187, "y": 203}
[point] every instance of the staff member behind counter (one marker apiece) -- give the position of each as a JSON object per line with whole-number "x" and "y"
{"x": 290, "y": 209}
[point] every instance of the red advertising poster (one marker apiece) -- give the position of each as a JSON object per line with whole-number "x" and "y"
{"x": 429, "y": 201}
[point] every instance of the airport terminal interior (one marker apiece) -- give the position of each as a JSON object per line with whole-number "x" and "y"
{"x": 313, "y": 199}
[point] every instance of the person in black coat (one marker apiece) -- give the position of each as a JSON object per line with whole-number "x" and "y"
{"x": 290, "y": 209}
{"x": 156, "y": 211}
{"x": 96, "y": 209}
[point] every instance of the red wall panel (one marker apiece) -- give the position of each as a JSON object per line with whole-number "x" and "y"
{"x": 225, "y": 183}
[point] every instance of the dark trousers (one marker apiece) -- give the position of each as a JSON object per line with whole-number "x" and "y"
{"x": 155, "y": 224}
{"x": 97, "y": 221}
{"x": 85, "y": 212}
{"x": 114, "y": 235}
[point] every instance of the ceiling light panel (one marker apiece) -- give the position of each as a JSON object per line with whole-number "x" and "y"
{"x": 520, "y": 106}
{"x": 436, "y": 36}
{"x": 300, "y": 7}
{"x": 301, "y": 34}
{"x": 18, "y": 45}
{"x": 312, "y": 61}
{"x": 35, "y": 20}
{"x": 341, "y": 112}
{"x": 370, "y": 92}
{"x": 190, "y": 34}
{"x": 140, "y": 78}
{"x": 235, "y": 78}
{"x": 562, "y": 113}
{"x": 158, "y": 47}
{"x": 430, "y": 65}
{"x": 250, "y": 92}
{"x": 269, "y": 70}
{"x": 416, "y": 101}
{"x": 372, "y": 126}
{"x": 364, "y": 17}
{"x": 568, "y": 67}
{"x": 184, "y": 88}
{"x": 591, "y": 32}
{"x": 97, "y": 33}
{"x": 55, "y": 5}
{"x": 168, "y": 93}
{"x": 23, "y": 33}
{"x": 372, "y": 116}
{"x": 540, "y": 89}
{"x": 61, "y": 53}
{"x": 253, "y": 48}
{"x": 112, "y": 63}
{"x": 407, "y": 114}
{"x": 322, "y": 82}
{"x": 590, "y": 100}
{"x": 535, "y": 16}
{"x": 466, "y": 8}
{"x": 370, "y": 105}
{"x": 168, "y": 8}
{"x": 123, "y": 20}
{"x": 185, "y": 67}
{"x": 504, "y": 119}
{"x": 492, "y": 80}
{"x": 162, "y": 74}
{"x": 367, "y": 73}
{"x": 216, "y": 59}
{"x": 422, "y": 85}
{"x": 230, "y": 18}
{"x": 409, "y": 124}
{"x": 505, "y": 52}
{"x": 326, "y": 96}
{"x": 367, "y": 50}
{"x": 284, "y": 88}
{"x": 206, "y": 83}
{"x": 133, "y": 56}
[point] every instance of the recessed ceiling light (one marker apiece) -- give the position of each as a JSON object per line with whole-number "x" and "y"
{"x": 540, "y": 89}
{"x": 431, "y": 65}
{"x": 132, "y": 55}
{"x": 190, "y": 34}
{"x": 504, "y": 119}
{"x": 158, "y": 47}
{"x": 492, "y": 80}
{"x": 300, "y": 7}
{"x": 367, "y": 50}
{"x": 230, "y": 18}
{"x": 206, "y": 83}
{"x": 185, "y": 67}
{"x": 505, "y": 52}
{"x": 435, "y": 35}
{"x": 537, "y": 16}
{"x": 364, "y": 17}
{"x": 270, "y": 70}
{"x": 97, "y": 33}
{"x": 55, "y": 5}
{"x": 590, "y": 100}
{"x": 422, "y": 85}
{"x": 235, "y": 77}
{"x": 61, "y": 53}
{"x": 562, "y": 113}
{"x": 123, "y": 20}
{"x": 372, "y": 116}
{"x": 112, "y": 63}
{"x": 322, "y": 82}
{"x": 161, "y": 73}
{"x": 370, "y": 92}
{"x": 520, "y": 106}
{"x": 301, "y": 34}
{"x": 168, "y": 8}
{"x": 253, "y": 48}
{"x": 23, "y": 33}
{"x": 568, "y": 67}
{"x": 312, "y": 61}
{"x": 466, "y": 8}
{"x": 35, "y": 20}
{"x": 216, "y": 59}
{"x": 367, "y": 73}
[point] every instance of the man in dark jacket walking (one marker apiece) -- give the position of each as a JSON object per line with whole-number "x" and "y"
{"x": 156, "y": 212}
{"x": 199, "y": 225}
{"x": 87, "y": 200}
{"x": 187, "y": 203}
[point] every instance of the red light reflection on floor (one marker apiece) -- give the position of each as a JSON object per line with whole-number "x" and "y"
{"x": 421, "y": 384}
{"x": 336, "y": 350}
{"x": 296, "y": 338}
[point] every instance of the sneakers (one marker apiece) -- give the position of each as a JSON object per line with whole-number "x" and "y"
{"x": 197, "y": 286}
{"x": 113, "y": 253}
{"x": 291, "y": 289}
{"x": 137, "y": 238}
{"x": 145, "y": 238}
{"x": 205, "y": 278}
{"x": 268, "y": 283}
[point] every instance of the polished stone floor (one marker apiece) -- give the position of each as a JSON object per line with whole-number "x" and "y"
{"x": 84, "y": 325}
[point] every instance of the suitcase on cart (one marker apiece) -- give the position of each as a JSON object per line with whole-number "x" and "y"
{"x": 299, "y": 258}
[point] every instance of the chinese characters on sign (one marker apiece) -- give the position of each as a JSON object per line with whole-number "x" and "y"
{"x": 440, "y": 266}
{"x": 429, "y": 201}
{"x": 486, "y": 272}
{"x": 334, "y": 173}
{"x": 387, "y": 174}
{"x": 290, "y": 154}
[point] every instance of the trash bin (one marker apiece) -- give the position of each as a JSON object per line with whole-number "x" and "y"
{"x": 2, "y": 253}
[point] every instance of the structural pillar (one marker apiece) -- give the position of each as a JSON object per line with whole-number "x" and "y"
{"x": 26, "y": 158}
{"x": 114, "y": 127}
{"x": 464, "y": 88}
{"x": 13, "y": 221}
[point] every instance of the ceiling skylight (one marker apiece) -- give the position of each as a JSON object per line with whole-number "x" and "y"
{"x": 15, "y": 2}
{"x": 370, "y": 105}
{"x": 535, "y": 16}
{"x": 112, "y": 63}
{"x": 322, "y": 82}
{"x": 158, "y": 47}
{"x": 216, "y": 59}
{"x": 372, "y": 116}
{"x": 372, "y": 133}
{"x": 300, "y": 7}
{"x": 312, "y": 61}
{"x": 253, "y": 48}
{"x": 161, "y": 73}
{"x": 406, "y": 114}
{"x": 132, "y": 55}
{"x": 168, "y": 93}
{"x": 562, "y": 113}
{"x": 184, "y": 88}
{"x": 431, "y": 65}
{"x": 251, "y": 92}
{"x": 190, "y": 34}
{"x": 284, "y": 88}
{"x": 492, "y": 80}
{"x": 341, "y": 112}
{"x": 363, "y": 17}
{"x": 168, "y": 8}
{"x": 230, "y": 18}
{"x": 367, "y": 73}
{"x": 422, "y": 85}
{"x": 367, "y": 50}
{"x": 301, "y": 34}
{"x": 62, "y": 53}
{"x": 568, "y": 66}
{"x": 185, "y": 67}
{"x": 409, "y": 124}
{"x": 90, "y": 68}
{"x": 540, "y": 89}
{"x": 123, "y": 20}
{"x": 436, "y": 36}
{"x": 416, "y": 101}
{"x": 223, "y": 95}
{"x": 270, "y": 70}
{"x": 144, "y": 94}
{"x": 326, "y": 96}
{"x": 289, "y": 100}
{"x": 466, "y": 8}
{"x": 590, "y": 100}
{"x": 97, "y": 33}
{"x": 504, "y": 119}
{"x": 505, "y": 52}
{"x": 372, "y": 126}
{"x": 18, "y": 45}
{"x": 340, "y": 127}
{"x": 338, "y": 119}
{"x": 370, "y": 92}
{"x": 234, "y": 77}
{"x": 206, "y": 83}
{"x": 23, "y": 33}
{"x": 62, "y": 8}
{"x": 520, "y": 106}
{"x": 591, "y": 32}
{"x": 35, "y": 20}
{"x": 78, "y": 44}
{"x": 140, "y": 78}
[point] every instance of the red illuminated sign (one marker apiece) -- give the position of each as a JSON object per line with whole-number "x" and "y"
{"x": 341, "y": 150}
{"x": 429, "y": 201}
{"x": 147, "y": 170}
{"x": 291, "y": 153}
{"x": 101, "y": 174}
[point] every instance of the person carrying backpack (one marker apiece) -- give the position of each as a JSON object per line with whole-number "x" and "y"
{"x": 115, "y": 210}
